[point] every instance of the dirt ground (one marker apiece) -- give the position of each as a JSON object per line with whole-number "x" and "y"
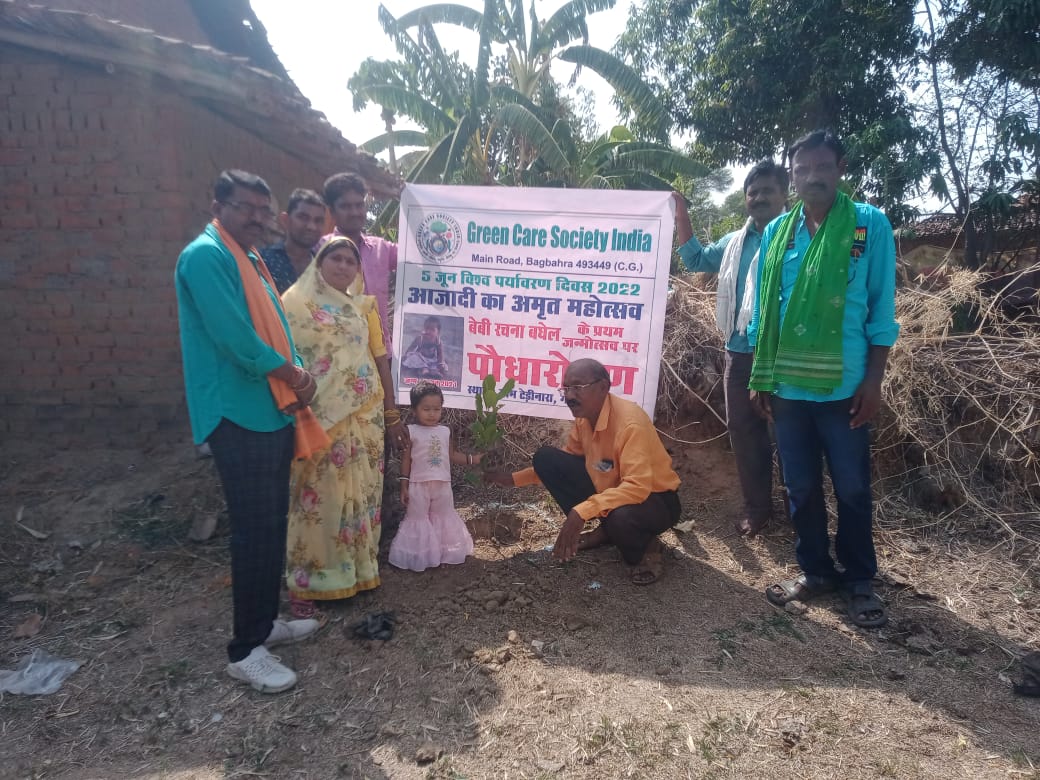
{"x": 511, "y": 665}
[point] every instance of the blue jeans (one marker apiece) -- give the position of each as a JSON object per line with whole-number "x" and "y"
{"x": 806, "y": 433}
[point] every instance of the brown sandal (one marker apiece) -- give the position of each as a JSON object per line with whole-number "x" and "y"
{"x": 649, "y": 570}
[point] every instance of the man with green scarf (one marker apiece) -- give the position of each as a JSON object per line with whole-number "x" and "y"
{"x": 823, "y": 324}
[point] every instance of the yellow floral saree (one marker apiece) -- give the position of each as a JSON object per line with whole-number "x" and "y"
{"x": 336, "y": 494}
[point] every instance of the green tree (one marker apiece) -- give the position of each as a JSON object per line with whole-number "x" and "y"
{"x": 749, "y": 77}
{"x": 618, "y": 160}
{"x": 1003, "y": 35}
{"x": 477, "y": 128}
{"x": 985, "y": 123}
{"x": 442, "y": 95}
{"x": 711, "y": 220}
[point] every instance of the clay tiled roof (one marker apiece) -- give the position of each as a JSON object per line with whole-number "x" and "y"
{"x": 254, "y": 99}
{"x": 1025, "y": 217}
{"x": 936, "y": 225}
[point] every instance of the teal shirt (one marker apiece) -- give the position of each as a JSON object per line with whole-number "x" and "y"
{"x": 225, "y": 362}
{"x": 870, "y": 299}
{"x": 708, "y": 259}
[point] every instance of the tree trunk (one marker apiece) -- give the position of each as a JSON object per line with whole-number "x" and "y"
{"x": 388, "y": 119}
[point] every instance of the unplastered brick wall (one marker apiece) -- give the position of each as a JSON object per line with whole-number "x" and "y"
{"x": 104, "y": 177}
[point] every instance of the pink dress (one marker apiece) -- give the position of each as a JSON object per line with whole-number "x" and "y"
{"x": 432, "y": 532}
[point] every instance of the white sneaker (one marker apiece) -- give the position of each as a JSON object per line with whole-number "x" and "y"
{"x": 263, "y": 671}
{"x": 285, "y": 632}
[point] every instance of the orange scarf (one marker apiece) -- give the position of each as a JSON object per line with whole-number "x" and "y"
{"x": 310, "y": 436}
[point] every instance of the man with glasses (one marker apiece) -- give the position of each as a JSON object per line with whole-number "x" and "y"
{"x": 238, "y": 358}
{"x": 613, "y": 468}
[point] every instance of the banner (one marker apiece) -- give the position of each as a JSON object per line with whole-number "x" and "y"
{"x": 519, "y": 282}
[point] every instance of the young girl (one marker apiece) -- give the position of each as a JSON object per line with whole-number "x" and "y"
{"x": 432, "y": 532}
{"x": 425, "y": 355}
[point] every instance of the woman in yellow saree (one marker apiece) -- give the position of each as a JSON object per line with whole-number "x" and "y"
{"x": 336, "y": 494}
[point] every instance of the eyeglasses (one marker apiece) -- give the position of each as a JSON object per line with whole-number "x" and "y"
{"x": 564, "y": 389}
{"x": 250, "y": 209}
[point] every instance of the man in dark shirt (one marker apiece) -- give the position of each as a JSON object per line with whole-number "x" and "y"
{"x": 303, "y": 222}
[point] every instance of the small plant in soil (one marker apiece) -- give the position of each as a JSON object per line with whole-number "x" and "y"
{"x": 493, "y": 521}
{"x": 485, "y": 430}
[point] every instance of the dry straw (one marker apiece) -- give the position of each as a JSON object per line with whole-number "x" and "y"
{"x": 961, "y": 429}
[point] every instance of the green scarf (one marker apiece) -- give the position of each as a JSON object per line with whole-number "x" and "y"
{"x": 807, "y": 350}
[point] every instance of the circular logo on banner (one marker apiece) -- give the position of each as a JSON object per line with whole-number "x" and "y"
{"x": 438, "y": 237}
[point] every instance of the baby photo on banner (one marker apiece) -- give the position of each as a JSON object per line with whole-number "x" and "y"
{"x": 519, "y": 282}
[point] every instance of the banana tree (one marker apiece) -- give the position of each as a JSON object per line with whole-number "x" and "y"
{"x": 463, "y": 112}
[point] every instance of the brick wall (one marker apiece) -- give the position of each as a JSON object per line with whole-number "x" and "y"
{"x": 103, "y": 180}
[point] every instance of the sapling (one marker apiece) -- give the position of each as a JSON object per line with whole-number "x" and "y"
{"x": 486, "y": 432}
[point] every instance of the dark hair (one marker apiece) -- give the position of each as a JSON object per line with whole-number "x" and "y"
{"x": 767, "y": 168}
{"x": 339, "y": 183}
{"x": 434, "y": 321}
{"x": 225, "y": 185}
{"x": 815, "y": 140}
{"x": 300, "y": 195}
{"x": 335, "y": 243}
{"x": 422, "y": 389}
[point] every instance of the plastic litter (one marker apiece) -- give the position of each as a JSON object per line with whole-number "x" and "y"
{"x": 594, "y": 585}
{"x": 39, "y": 673}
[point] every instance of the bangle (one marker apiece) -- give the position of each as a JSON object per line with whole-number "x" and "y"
{"x": 403, "y": 478}
{"x": 469, "y": 459}
{"x": 392, "y": 416}
{"x": 301, "y": 385}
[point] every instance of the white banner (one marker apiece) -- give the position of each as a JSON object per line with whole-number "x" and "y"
{"x": 519, "y": 282}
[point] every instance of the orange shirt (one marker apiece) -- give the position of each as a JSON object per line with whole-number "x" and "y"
{"x": 624, "y": 457}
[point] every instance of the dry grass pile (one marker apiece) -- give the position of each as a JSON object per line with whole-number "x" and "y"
{"x": 962, "y": 427}
{"x": 959, "y": 438}
{"x": 690, "y": 392}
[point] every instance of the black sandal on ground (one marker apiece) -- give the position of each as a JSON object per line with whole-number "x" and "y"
{"x": 865, "y": 609}
{"x": 798, "y": 589}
